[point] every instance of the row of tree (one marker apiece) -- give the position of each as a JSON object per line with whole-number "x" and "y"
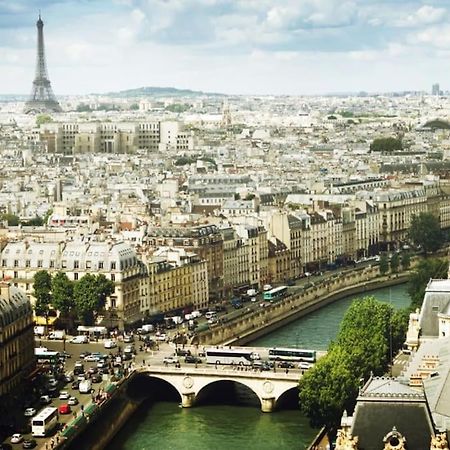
{"x": 81, "y": 299}
{"x": 370, "y": 333}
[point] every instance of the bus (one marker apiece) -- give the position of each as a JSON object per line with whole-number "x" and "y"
{"x": 236, "y": 356}
{"x": 275, "y": 293}
{"x": 292, "y": 354}
{"x": 44, "y": 422}
{"x": 43, "y": 355}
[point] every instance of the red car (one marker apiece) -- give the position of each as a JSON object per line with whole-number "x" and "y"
{"x": 64, "y": 409}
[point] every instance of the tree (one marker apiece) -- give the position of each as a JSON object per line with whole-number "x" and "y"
{"x": 395, "y": 263}
{"x": 62, "y": 292}
{"x": 406, "y": 261}
{"x": 90, "y": 293}
{"x": 12, "y": 219}
{"x": 34, "y": 222}
{"x": 386, "y": 144}
{"x": 43, "y": 118}
{"x": 363, "y": 346}
{"x": 426, "y": 269}
{"x": 384, "y": 264}
{"x": 134, "y": 107}
{"x": 399, "y": 327}
{"x": 425, "y": 230}
{"x": 42, "y": 285}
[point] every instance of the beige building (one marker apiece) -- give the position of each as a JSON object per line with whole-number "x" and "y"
{"x": 176, "y": 279}
{"x": 279, "y": 262}
{"x": 112, "y": 137}
{"x": 20, "y": 260}
{"x": 16, "y": 338}
{"x": 204, "y": 240}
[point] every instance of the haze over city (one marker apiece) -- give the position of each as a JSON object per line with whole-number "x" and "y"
{"x": 234, "y": 47}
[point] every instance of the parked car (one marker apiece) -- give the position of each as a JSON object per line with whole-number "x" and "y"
{"x": 84, "y": 354}
{"x": 64, "y": 395}
{"x": 76, "y": 385}
{"x": 161, "y": 337}
{"x": 170, "y": 360}
{"x": 79, "y": 340}
{"x": 91, "y": 357}
{"x": 64, "y": 409}
{"x": 304, "y": 365}
{"x": 72, "y": 401}
{"x": 16, "y": 438}
{"x": 261, "y": 365}
{"x": 109, "y": 343}
{"x": 29, "y": 412}
{"x": 68, "y": 377}
{"x": 29, "y": 443}
{"x": 45, "y": 399}
{"x": 286, "y": 365}
{"x": 190, "y": 359}
{"x": 78, "y": 368}
{"x": 96, "y": 378}
{"x": 128, "y": 338}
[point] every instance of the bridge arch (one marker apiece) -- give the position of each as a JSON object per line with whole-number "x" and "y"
{"x": 288, "y": 399}
{"x": 267, "y": 387}
{"x": 144, "y": 386}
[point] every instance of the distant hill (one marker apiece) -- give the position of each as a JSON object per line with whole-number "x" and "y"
{"x": 150, "y": 91}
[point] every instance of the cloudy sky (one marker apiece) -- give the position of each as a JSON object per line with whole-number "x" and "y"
{"x": 229, "y": 46}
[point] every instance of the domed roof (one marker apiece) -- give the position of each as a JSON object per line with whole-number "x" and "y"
{"x": 14, "y": 307}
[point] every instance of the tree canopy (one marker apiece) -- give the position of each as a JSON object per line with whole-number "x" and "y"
{"x": 364, "y": 345}
{"x": 62, "y": 290}
{"x": 42, "y": 285}
{"x": 426, "y": 269}
{"x": 386, "y": 144}
{"x": 425, "y": 230}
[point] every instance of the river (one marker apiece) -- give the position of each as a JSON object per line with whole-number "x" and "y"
{"x": 165, "y": 426}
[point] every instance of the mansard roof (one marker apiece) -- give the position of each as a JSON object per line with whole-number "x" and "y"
{"x": 14, "y": 307}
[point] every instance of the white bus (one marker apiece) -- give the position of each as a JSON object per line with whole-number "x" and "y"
{"x": 44, "y": 422}
{"x": 236, "y": 356}
{"x": 292, "y": 354}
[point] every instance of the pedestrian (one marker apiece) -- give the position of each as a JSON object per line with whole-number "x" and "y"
{"x": 287, "y": 370}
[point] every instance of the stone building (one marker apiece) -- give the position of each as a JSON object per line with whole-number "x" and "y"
{"x": 20, "y": 260}
{"x": 16, "y": 338}
{"x": 176, "y": 279}
{"x": 206, "y": 241}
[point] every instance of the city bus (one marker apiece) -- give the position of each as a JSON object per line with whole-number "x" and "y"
{"x": 292, "y": 354}
{"x": 236, "y": 356}
{"x": 275, "y": 293}
{"x": 43, "y": 355}
{"x": 44, "y": 422}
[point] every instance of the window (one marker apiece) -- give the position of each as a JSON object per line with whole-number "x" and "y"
{"x": 113, "y": 265}
{"x": 75, "y": 276}
{"x": 27, "y": 263}
{"x": 100, "y": 264}
{"x": 39, "y": 264}
{"x": 16, "y": 263}
{"x": 52, "y": 264}
{"x": 88, "y": 264}
{"x": 76, "y": 264}
{"x": 3, "y": 262}
{"x": 113, "y": 277}
{"x": 64, "y": 264}
{"x": 16, "y": 274}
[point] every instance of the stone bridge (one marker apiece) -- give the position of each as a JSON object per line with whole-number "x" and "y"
{"x": 268, "y": 386}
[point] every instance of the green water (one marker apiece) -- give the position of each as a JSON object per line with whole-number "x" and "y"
{"x": 163, "y": 425}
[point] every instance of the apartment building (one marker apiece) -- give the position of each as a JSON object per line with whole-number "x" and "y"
{"x": 176, "y": 279}
{"x": 112, "y": 137}
{"x": 204, "y": 240}
{"x": 16, "y": 337}
{"x": 278, "y": 262}
{"x": 20, "y": 260}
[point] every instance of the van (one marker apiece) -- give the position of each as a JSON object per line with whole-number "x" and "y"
{"x": 57, "y": 334}
{"x": 85, "y": 387}
{"x": 148, "y": 328}
{"x": 79, "y": 340}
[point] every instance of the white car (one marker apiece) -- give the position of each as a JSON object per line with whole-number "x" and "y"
{"x": 79, "y": 340}
{"x": 29, "y": 412}
{"x": 72, "y": 401}
{"x": 110, "y": 344}
{"x": 304, "y": 365}
{"x": 64, "y": 395}
{"x": 161, "y": 337}
{"x": 170, "y": 360}
{"x": 16, "y": 438}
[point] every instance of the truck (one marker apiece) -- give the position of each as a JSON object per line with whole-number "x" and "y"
{"x": 251, "y": 292}
{"x": 57, "y": 334}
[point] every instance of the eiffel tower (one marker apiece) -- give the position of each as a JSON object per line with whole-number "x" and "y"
{"x": 42, "y": 98}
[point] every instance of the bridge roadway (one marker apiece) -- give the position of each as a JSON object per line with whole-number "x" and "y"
{"x": 268, "y": 386}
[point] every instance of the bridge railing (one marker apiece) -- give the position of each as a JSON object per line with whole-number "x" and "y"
{"x": 279, "y": 374}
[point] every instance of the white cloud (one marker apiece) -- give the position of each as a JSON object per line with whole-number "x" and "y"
{"x": 425, "y": 15}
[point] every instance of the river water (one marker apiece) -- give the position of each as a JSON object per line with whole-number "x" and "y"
{"x": 163, "y": 425}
